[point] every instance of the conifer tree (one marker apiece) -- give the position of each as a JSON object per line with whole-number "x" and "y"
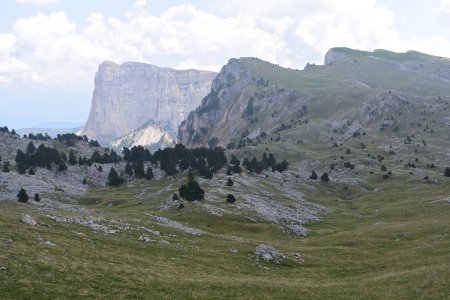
{"x": 31, "y": 148}
{"x": 324, "y": 177}
{"x": 114, "y": 179}
{"x": 22, "y": 196}
{"x": 149, "y": 174}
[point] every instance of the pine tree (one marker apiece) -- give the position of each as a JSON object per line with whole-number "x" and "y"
{"x": 139, "y": 170}
{"x": 191, "y": 191}
{"x": 114, "y": 179}
{"x": 62, "y": 166}
{"x": 31, "y": 171}
{"x": 72, "y": 158}
{"x": 324, "y": 177}
{"x": 31, "y": 148}
{"x": 6, "y": 167}
{"x": 128, "y": 169}
{"x": 37, "y": 198}
{"x": 21, "y": 169}
{"x": 229, "y": 182}
{"x": 313, "y": 175}
{"x": 447, "y": 172}
{"x": 190, "y": 176}
{"x": 231, "y": 198}
{"x": 22, "y": 196}
{"x": 149, "y": 174}
{"x": 234, "y": 161}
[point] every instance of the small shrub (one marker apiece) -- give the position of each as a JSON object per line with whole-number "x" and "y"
{"x": 324, "y": 177}
{"x": 37, "y": 198}
{"x": 231, "y": 198}
{"x": 447, "y": 172}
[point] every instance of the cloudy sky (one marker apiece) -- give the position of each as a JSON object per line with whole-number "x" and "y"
{"x": 50, "y": 49}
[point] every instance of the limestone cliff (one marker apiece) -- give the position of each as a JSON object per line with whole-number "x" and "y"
{"x": 129, "y": 96}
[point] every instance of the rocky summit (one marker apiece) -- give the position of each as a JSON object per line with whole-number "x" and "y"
{"x": 134, "y": 96}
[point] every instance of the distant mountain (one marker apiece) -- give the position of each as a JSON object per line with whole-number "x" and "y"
{"x": 354, "y": 91}
{"x": 51, "y": 131}
{"x": 129, "y": 96}
{"x": 58, "y": 124}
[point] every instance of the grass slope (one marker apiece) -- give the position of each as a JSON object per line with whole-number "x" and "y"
{"x": 394, "y": 243}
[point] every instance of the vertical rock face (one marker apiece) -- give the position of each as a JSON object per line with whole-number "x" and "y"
{"x": 132, "y": 96}
{"x": 335, "y": 54}
{"x": 219, "y": 115}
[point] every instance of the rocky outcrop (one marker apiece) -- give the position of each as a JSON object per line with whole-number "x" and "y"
{"x": 151, "y": 136}
{"x": 335, "y": 54}
{"x": 128, "y": 96}
{"x": 235, "y": 107}
{"x": 221, "y": 110}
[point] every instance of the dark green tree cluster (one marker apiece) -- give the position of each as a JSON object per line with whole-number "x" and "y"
{"x": 171, "y": 160}
{"x": 114, "y": 179}
{"x": 43, "y": 156}
{"x": 234, "y": 166}
{"x": 38, "y": 137}
{"x": 70, "y": 139}
{"x": 324, "y": 177}
{"x": 192, "y": 190}
{"x": 265, "y": 163}
{"x": 6, "y": 130}
{"x": 108, "y": 157}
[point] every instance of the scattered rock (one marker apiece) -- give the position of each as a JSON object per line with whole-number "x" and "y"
{"x": 146, "y": 239}
{"x": 297, "y": 257}
{"x": 174, "y": 224}
{"x": 268, "y": 253}
{"x": 298, "y": 230}
{"x": 27, "y": 219}
{"x": 49, "y": 244}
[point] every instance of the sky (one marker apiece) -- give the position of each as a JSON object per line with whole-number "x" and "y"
{"x": 51, "y": 49}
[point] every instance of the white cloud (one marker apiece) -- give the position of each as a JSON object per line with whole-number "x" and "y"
{"x": 50, "y": 48}
{"x": 443, "y": 8}
{"x": 38, "y": 2}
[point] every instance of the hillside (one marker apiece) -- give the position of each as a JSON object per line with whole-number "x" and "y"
{"x": 334, "y": 185}
{"x": 250, "y": 95}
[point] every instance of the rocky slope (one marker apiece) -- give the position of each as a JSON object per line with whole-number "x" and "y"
{"x": 131, "y": 96}
{"x": 251, "y": 98}
{"x": 50, "y": 184}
